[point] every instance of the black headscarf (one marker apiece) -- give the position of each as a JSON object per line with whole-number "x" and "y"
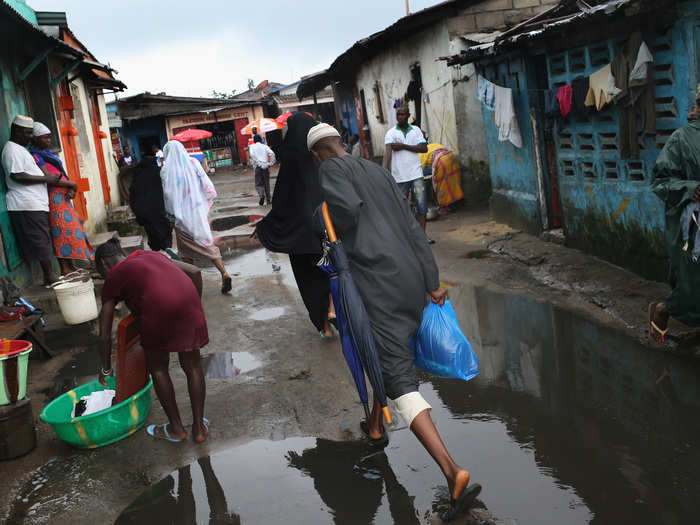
{"x": 288, "y": 226}
{"x": 146, "y": 201}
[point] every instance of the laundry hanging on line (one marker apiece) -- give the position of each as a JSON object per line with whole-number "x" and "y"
{"x": 500, "y": 100}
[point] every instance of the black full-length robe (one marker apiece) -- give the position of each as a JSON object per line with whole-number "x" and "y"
{"x": 676, "y": 176}
{"x": 288, "y": 228}
{"x": 146, "y": 201}
{"x": 390, "y": 259}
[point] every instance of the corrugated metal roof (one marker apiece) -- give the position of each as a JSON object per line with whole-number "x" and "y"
{"x": 551, "y": 23}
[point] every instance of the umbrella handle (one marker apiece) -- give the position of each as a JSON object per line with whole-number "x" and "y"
{"x": 329, "y": 225}
{"x": 387, "y": 416}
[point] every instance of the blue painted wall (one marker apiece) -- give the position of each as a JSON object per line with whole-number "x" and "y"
{"x": 132, "y": 130}
{"x": 513, "y": 172}
{"x": 608, "y": 208}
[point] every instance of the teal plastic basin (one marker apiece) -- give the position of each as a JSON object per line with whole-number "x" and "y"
{"x": 101, "y": 428}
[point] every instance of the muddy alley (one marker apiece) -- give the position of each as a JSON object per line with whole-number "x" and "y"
{"x": 573, "y": 419}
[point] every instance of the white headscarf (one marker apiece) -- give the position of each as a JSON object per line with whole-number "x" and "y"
{"x": 188, "y": 192}
{"x": 39, "y": 129}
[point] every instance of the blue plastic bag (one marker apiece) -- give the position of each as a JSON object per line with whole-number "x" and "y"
{"x": 440, "y": 348}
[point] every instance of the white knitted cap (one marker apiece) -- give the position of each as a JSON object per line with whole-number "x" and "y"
{"x": 23, "y": 121}
{"x": 318, "y": 132}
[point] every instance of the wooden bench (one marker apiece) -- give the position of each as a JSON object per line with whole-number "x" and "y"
{"x": 17, "y": 329}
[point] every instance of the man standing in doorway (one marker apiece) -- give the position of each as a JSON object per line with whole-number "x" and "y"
{"x": 27, "y": 197}
{"x": 261, "y": 158}
{"x": 403, "y": 143}
{"x": 158, "y": 154}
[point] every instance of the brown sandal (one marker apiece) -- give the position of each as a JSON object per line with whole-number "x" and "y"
{"x": 656, "y": 333}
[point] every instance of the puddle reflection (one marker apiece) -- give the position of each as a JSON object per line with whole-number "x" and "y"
{"x": 225, "y": 365}
{"x": 165, "y": 504}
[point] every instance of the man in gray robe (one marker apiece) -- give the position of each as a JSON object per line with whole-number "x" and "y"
{"x": 394, "y": 270}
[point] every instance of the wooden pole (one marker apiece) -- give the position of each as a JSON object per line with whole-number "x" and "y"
{"x": 408, "y": 11}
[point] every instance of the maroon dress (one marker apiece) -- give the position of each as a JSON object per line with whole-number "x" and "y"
{"x": 164, "y": 300}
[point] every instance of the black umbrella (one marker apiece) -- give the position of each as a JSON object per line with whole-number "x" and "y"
{"x": 355, "y": 314}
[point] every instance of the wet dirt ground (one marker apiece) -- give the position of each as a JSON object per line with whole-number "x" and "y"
{"x": 574, "y": 418}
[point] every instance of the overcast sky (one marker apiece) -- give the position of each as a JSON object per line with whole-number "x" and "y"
{"x": 191, "y": 47}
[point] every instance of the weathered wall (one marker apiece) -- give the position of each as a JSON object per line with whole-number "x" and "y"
{"x": 392, "y": 70}
{"x": 12, "y": 102}
{"x": 607, "y": 204}
{"x": 87, "y": 157}
{"x": 495, "y": 14}
{"x": 513, "y": 170}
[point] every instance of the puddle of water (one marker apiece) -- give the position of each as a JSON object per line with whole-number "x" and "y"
{"x": 225, "y": 365}
{"x": 78, "y": 371}
{"x": 568, "y": 423}
{"x": 227, "y": 223}
{"x": 258, "y": 263}
{"x": 297, "y": 480}
{"x": 265, "y": 314}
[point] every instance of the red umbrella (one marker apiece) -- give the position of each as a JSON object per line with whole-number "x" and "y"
{"x": 193, "y": 134}
{"x": 284, "y": 116}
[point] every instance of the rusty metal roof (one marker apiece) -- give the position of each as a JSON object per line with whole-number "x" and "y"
{"x": 557, "y": 21}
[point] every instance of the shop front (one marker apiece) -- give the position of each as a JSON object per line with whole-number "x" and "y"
{"x": 227, "y": 146}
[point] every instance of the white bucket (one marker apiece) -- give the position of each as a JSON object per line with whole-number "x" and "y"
{"x": 77, "y": 301}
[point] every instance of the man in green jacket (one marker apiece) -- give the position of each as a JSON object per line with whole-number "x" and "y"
{"x": 676, "y": 181}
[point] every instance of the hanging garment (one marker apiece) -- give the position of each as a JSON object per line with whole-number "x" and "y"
{"x": 485, "y": 92}
{"x": 580, "y": 88}
{"x": 641, "y": 66}
{"x": 552, "y": 111}
{"x": 506, "y": 119}
{"x": 447, "y": 177}
{"x": 600, "y": 84}
{"x": 565, "y": 96}
{"x": 638, "y": 92}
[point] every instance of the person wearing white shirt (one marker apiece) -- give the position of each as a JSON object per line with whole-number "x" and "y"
{"x": 403, "y": 144}
{"x": 261, "y": 158}
{"x": 158, "y": 154}
{"x": 27, "y": 197}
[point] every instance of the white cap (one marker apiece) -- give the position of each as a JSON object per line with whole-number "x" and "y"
{"x": 318, "y": 132}
{"x": 23, "y": 121}
{"x": 40, "y": 130}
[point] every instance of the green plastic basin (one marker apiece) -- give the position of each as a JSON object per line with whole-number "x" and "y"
{"x": 101, "y": 428}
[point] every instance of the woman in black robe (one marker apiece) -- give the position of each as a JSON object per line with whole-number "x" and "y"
{"x": 146, "y": 201}
{"x": 288, "y": 228}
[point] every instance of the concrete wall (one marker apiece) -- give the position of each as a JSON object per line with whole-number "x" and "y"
{"x": 495, "y": 14}
{"x": 392, "y": 70}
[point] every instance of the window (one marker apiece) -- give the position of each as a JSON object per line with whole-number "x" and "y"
{"x": 378, "y": 106}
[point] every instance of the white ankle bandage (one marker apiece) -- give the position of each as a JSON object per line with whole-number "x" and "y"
{"x": 410, "y": 405}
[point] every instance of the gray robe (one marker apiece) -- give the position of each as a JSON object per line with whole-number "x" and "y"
{"x": 390, "y": 259}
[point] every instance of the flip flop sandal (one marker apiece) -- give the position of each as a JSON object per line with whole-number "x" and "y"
{"x": 326, "y": 337}
{"x": 463, "y": 502}
{"x": 333, "y": 321}
{"x": 226, "y": 284}
{"x": 151, "y": 431}
{"x": 656, "y": 333}
{"x": 379, "y": 442}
